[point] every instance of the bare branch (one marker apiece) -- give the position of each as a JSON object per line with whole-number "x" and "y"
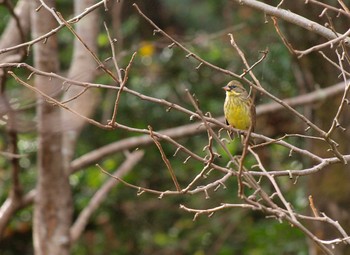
{"x": 53, "y": 31}
{"x": 122, "y": 85}
{"x": 284, "y": 39}
{"x": 291, "y": 17}
{"x": 52, "y": 11}
{"x": 330, "y": 43}
{"x": 165, "y": 159}
{"x": 327, "y": 6}
{"x": 332, "y": 144}
{"x": 50, "y": 99}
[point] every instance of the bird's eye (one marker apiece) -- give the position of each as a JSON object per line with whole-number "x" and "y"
{"x": 233, "y": 86}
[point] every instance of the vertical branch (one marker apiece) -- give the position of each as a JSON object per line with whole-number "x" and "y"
{"x": 247, "y": 137}
{"x": 241, "y": 54}
{"x": 98, "y": 61}
{"x": 343, "y": 5}
{"x": 335, "y": 122}
{"x": 83, "y": 68}
{"x": 165, "y": 159}
{"x": 16, "y": 192}
{"x": 16, "y": 31}
{"x": 209, "y": 146}
{"x": 241, "y": 162}
{"x": 13, "y": 149}
{"x": 114, "y": 57}
{"x": 284, "y": 39}
{"x": 53, "y": 201}
{"x": 276, "y": 187}
{"x": 17, "y": 19}
{"x": 122, "y": 84}
{"x": 13, "y": 200}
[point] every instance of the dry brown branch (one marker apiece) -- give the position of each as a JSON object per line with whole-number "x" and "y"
{"x": 201, "y": 189}
{"x": 114, "y": 57}
{"x": 274, "y": 184}
{"x": 244, "y": 60}
{"x": 51, "y": 10}
{"x": 270, "y": 201}
{"x": 312, "y": 206}
{"x": 332, "y": 144}
{"x": 328, "y": 7}
{"x": 53, "y": 31}
{"x": 284, "y": 39}
{"x": 93, "y": 54}
{"x": 210, "y": 211}
{"x": 247, "y": 136}
{"x": 304, "y": 98}
{"x": 122, "y": 85}
{"x": 165, "y": 159}
{"x": 246, "y": 71}
{"x": 342, "y": 4}
{"x": 335, "y": 122}
{"x": 291, "y": 18}
{"x": 176, "y": 107}
{"x": 331, "y": 43}
{"x": 207, "y": 126}
{"x": 55, "y": 102}
{"x": 76, "y": 96}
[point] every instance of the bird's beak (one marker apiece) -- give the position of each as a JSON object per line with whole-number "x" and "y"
{"x": 226, "y": 88}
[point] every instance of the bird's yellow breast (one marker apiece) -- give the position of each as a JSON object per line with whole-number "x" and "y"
{"x": 237, "y": 112}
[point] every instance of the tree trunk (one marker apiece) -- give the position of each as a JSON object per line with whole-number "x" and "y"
{"x": 53, "y": 202}
{"x": 12, "y": 35}
{"x": 83, "y": 68}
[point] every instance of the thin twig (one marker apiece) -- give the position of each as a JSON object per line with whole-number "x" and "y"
{"x": 54, "y": 101}
{"x": 312, "y": 206}
{"x": 76, "y": 96}
{"x": 284, "y": 39}
{"x": 95, "y": 57}
{"x": 327, "y": 6}
{"x": 330, "y": 43}
{"x": 114, "y": 57}
{"x": 165, "y": 159}
{"x": 291, "y": 17}
{"x": 53, "y": 31}
{"x": 52, "y": 11}
{"x": 335, "y": 122}
{"x": 241, "y": 54}
{"x": 112, "y": 122}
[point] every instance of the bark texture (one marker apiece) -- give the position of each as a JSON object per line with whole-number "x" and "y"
{"x": 52, "y": 207}
{"x": 83, "y": 68}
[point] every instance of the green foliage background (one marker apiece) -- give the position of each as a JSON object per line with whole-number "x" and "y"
{"x": 131, "y": 224}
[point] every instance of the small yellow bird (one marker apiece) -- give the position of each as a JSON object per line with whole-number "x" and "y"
{"x": 239, "y": 108}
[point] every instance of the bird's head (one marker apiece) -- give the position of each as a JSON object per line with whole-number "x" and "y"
{"x": 235, "y": 88}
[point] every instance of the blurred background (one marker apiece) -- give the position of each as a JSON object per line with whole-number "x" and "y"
{"x": 130, "y": 224}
